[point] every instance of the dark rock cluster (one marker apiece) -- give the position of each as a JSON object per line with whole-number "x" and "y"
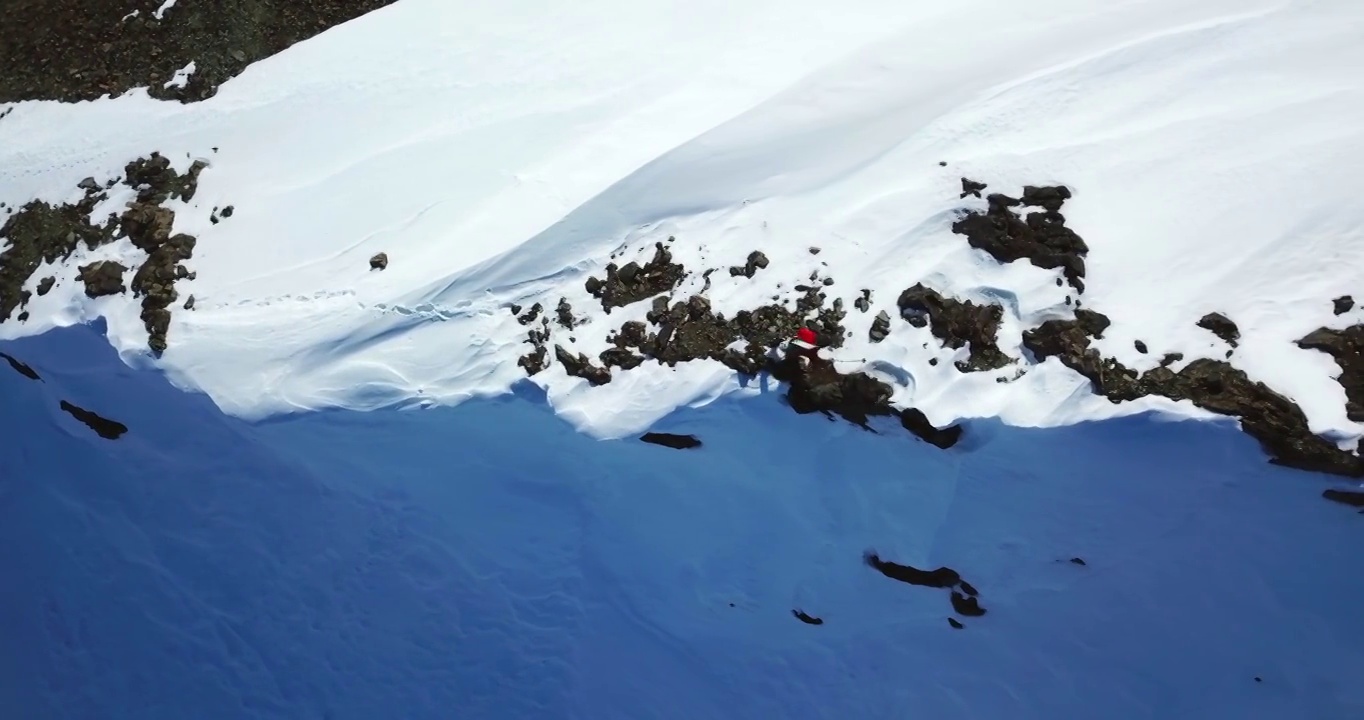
{"x": 671, "y": 440}
{"x": 1042, "y": 238}
{"x": 71, "y": 50}
{"x": 1221, "y": 326}
{"x": 963, "y": 596}
{"x": 634, "y": 282}
{"x": 1346, "y": 347}
{"x": 20, "y": 367}
{"x": 1275, "y": 421}
{"x": 756, "y": 261}
{"x": 40, "y": 233}
{"x": 957, "y": 323}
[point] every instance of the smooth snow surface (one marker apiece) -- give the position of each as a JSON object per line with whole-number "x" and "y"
{"x": 498, "y": 152}
{"x": 452, "y": 563}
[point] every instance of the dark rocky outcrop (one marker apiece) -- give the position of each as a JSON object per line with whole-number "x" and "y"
{"x": 581, "y": 366}
{"x": 756, "y": 261}
{"x": 564, "y": 314}
{"x": 880, "y": 327}
{"x": 963, "y": 595}
{"x": 71, "y": 50}
{"x": 863, "y": 301}
{"x": 41, "y": 233}
{"x": 104, "y": 427}
{"x": 957, "y": 323}
{"x": 1140, "y": 346}
{"x": 916, "y": 422}
{"x": 1342, "y": 304}
{"x": 1353, "y": 498}
{"x": 538, "y": 357}
{"x": 1078, "y": 561}
{"x": 670, "y": 440}
{"x": 1346, "y": 347}
{"x": 156, "y": 181}
{"x": 807, "y": 619}
{"x": 102, "y": 278}
{"x": 45, "y": 285}
{"x": 633, "y": 282}
{"x": 379, "y": 262}
{"x": 1221, "y": 326}
{"x": 1042, "y": 239}
{"x": 955, "y": 623}
{"x": 1279, "y": 425}
{"x": 971, "y": 187}
{"x": 530, "y": 315}
{"x": 21, "y": 368}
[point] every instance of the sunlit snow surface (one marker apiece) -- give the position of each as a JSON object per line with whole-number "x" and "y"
{"x": 498, "y": 152}
{"x": 487, "y": 561}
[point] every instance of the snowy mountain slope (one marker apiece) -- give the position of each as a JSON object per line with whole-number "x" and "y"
{"x": 450, "y": 563}
{"x": 500, "y": 155}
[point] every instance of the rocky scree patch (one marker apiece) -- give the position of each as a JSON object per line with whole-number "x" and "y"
{"x": 1042, "y": 238}
{"x": 42, "y": 233}
{"x": 957, "y": 323}
{"x": 72, "y": 50}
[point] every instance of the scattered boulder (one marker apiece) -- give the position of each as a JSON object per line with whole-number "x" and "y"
{"x": 379, "y": 262}
{"x": 633, "y": 282}
{"x": 530, "y": 315}
{"x": 156, "y": 181}
{"x": 45, "y": 285}
{"x": 88, "y": 184}
{"x": 564, "y": 314}
{"x": 189, "y": 304}
{"x": 40, "y": 233}
{"x": 971, "y": 187}
{"x": 1353, "y": 498}
{"x": 538, "y": 357}
{"x": 1214, "y": 385}
{"x": 880, "y": 327}
{"x": 963, "y": 596}
{"x": 1140, "y": 346}
{"x": 756, "y": 261}
{"x": 104, "y": 427}
{"x": 955, "y": 623}
{"x": 676, "y": 442}
{"x": 807, "y": 619}
{"x": 580, "y": 366}
{"x": 1346, "y": 347}
{"x": 21, "y": 368}
{"x": 1078, "y": 561}
{"x": 957, "y": 323}
{"x": 1043, "y": 239}
{"x": 1221, "y": 326}
{"x": 1342, "y": 304}
{"x": 916, "y": 422}
{"x": 966, "y": 605}
{"x": 863, "y": 303}
{"x": 102, "y": 278}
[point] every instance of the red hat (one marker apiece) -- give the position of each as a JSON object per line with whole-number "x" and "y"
{"x": 806, "y": 335}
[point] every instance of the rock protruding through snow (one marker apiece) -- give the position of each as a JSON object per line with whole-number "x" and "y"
{"x": 104, "y": 427}
{"x": 957, "y": 323}
{"x": 1042, "y": 239}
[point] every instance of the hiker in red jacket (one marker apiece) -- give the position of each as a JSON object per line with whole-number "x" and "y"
{"x": 803, "y": 348}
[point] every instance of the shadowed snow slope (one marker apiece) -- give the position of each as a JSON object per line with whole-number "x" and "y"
{"x": 499, "y": 152}
{"x": 487, "y": 561}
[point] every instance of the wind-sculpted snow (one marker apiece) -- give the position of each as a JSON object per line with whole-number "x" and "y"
{"x": 489, "y": 561}
{"x": 499, "y": 157}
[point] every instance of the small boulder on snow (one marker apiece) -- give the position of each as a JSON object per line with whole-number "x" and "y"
{"x": 102, "y": 278}
{"x": 379, "y": 261}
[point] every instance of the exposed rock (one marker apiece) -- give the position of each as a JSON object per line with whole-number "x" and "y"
{"x": 1078, "y": 561}
{"x": 1170, "y": 358}
{"x": 227, "y": 212}
{"x": 1346, "y": 347}
{"x": 863, "y": 303}
{"x": 756, "y": 261}
{"x": 71, "y": 51}
{"x": 968, "y": 588}
{"x": 538, "y": 358}
{"x": 379, "y": 262}
{"x": 955, "y": 623}
{"x": 1221, "y": 326}
{"x": 1342, "y": 304}
{"x": 102, "y": 278}
{"x": 1279, "y": 425}
{"x": 880, "y": 327}
{"x": 580, "y": 366}
{"x": 1353, "y": 498}
{"x": 916, "y": 422}
{"x": 41, "y": 233}
{"x": 676, "y": 442}
{"x": 45, "y": 285}
{"x": 20, "y": 368}
{"x": 155, "y": 281}
{"x": 156, "y": 181}
{"x": 814, "y": 251}
{"x": 971, "y": 187}
{"x": 1043, "y": 239}
{"x": 88, "y": 184}
{"x": 957, "y": 323}
{"x": 564, "y": 314}
{"x": 530, "y": 315}
{"x": 1141, "y": 346}
{"x": 967, "y": 605}
{"x": 104, "y": 427}
{"x": 189, "y": 304}
{"x": 632, "y": 283}
{"x": 943, "y": 577}
{"x": 807, "y": 619}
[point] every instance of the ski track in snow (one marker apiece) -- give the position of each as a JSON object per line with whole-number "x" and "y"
{"x": 499, "y": 154}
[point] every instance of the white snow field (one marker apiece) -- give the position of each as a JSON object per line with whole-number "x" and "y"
{"x": 499, "y": 152}
{"x": 487, "y": 561}
{"x": 367, "y": 511}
